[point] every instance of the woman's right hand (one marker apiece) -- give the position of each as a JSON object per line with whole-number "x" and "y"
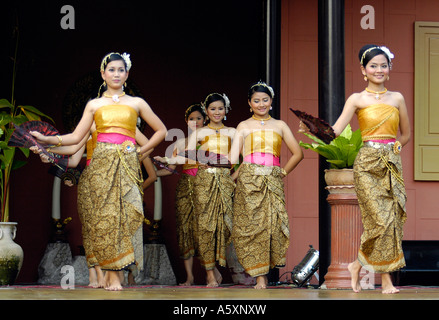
{"x": 40, "y": 137}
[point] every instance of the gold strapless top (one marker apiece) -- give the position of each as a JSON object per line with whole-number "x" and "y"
{"x": 263, "y": 141}
{"x": 378, "y": 122}
{"x": 216, "y": 143}
{"x": 116, "y": 119}
{"x": 91, "y": 144}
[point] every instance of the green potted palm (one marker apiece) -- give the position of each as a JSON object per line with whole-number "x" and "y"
{"x": 340, "y": 153}
{"x": 11, "y": 254}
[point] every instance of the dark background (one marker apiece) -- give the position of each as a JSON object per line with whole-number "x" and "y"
{"x": 181, "y": 51}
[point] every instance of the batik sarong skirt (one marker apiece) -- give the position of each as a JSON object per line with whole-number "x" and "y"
{"x": 381, "y": 196}
{"x": 260, "y": 220}
{"x": 84, "y": 209}
{"x": 213, "y": 196}
{"x": 184, "y": 207}
{"x": 115, "y": 221}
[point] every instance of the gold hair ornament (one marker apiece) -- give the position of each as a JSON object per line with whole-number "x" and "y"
{"x": 263, "y": 84}
{"x": 386, "y": 50}
{"x": 125, "y": 56}
{"x": 226, "y": 100}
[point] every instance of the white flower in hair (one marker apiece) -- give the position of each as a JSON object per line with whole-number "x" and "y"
{"x": 127, "y": 59}
{"x": 389, "y": 54}
{"x": 227, "y": 100}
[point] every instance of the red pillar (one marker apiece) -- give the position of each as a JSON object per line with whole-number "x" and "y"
{"x": 346, "y": 229}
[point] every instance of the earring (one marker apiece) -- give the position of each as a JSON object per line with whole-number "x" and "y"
{"x": 271, "y": 108}
{"x": 365, "y": 78}
{"x": 251, "y": 110}
{"x": 225, "y": 117}
{"x": 388, "y": 78}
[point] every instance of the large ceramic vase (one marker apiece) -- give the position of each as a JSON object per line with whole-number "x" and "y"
{"x": 11, "y": 254}
{"x": 346, "y": 227}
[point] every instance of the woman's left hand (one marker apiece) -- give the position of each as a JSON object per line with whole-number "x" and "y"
{"x": 43, "y": 157}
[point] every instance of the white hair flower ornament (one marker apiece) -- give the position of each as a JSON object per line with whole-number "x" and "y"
{"x": 127, "y": 59}
{"x": 389, "y": 54}
{"x": 227, "y": 102}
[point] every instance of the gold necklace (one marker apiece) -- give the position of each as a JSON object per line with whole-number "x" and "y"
{"x": 262, "y": 120}
{"x": 114, "y": 97}
{"x": 216, "y": 129}
{"x": 377, "y": 93}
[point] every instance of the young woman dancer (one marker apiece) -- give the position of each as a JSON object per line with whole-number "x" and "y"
{"x": 213, "y": 187}
{"x": 114, "y": 171}
{"x": 96, "y": 276}
{"x": 377, "y": 169}
{"x": 260, "y": 221}
{"x": 184, "y": 195}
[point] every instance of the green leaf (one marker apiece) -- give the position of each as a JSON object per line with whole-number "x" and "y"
{"x": 5, "y": 118}
{"x": 25, "y": 151}
{"x": 20, "y": 119}
{"x": 341, "y": 151}
{"x": 337, "y": 164}
{"x": 18, "y": 164}
{"x": 33, "y": 113}
{"x": 314, "y": 138}
{"x": 5, "y": 104}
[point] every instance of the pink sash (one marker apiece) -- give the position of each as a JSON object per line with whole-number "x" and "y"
{"x": 265, "y": 159}
{"x": 192, "y": 172}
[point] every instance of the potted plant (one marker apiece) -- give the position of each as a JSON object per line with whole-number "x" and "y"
{"x": 11, "y": 254}
{"x": 340, "y": 153}
{"x": 346, "y": 226}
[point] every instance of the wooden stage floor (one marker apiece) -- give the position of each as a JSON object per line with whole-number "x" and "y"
{"x": 225, "y": 302}
{"x": 224, "y": 292}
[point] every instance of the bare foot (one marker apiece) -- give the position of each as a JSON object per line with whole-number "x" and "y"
{"x": 387, "y": 285}
{"x": 354, "y": 269}
{"x": 188, "y": 267}
{"x": 187, "y": 283}
{"x": 112, "y": 281}
{"x": 96, "y": 277}
{"x": 261, "y": 282}
{"x": 211, "y": 279}
{"x": 93, "y": 278}
{"x": 101, "y": 277}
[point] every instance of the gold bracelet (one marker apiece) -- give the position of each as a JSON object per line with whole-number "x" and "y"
{"x": 60, "y": 141}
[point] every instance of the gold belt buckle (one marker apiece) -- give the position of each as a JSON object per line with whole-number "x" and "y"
{"x": 128, "y": 146}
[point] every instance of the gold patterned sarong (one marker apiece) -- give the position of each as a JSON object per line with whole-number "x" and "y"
{"x": 213, "y": 195}
{"x": 184, "y": 207}
{"x": 382, "y": 197}
{"x": 115, "y": 222}
{"x": 85, "y": 206}
{"x": 260, "y": 220}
